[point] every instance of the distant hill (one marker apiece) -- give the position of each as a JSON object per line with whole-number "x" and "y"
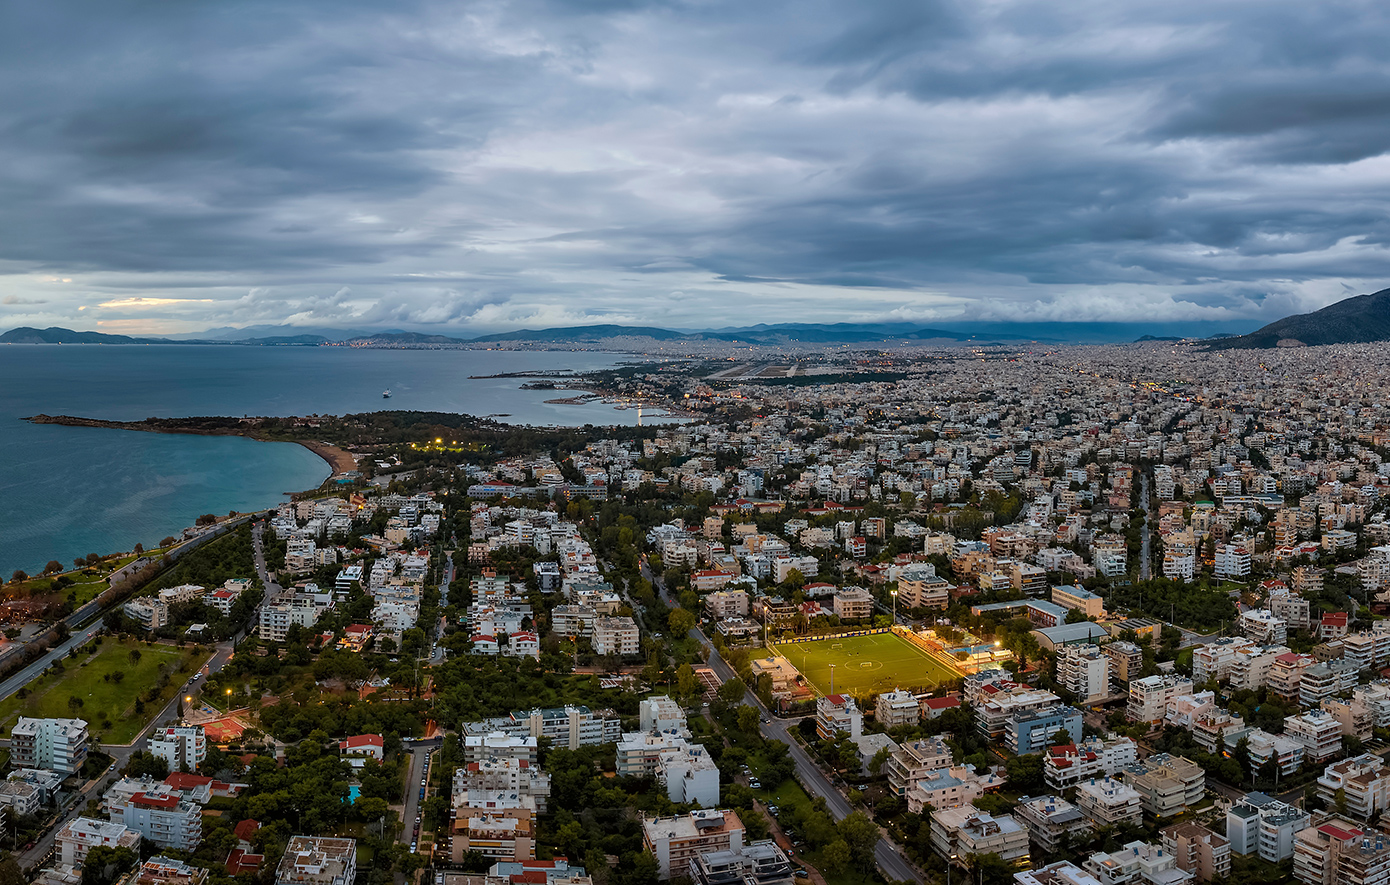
{"x": 1362, "y": 318}
{"x": 55, "y": 335}
{"x": 583, "y": 333}
{"x": 1143, "y": 338}
{"x": 399, "y": 339}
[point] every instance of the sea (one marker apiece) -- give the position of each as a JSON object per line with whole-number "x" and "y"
{"x": 70, "y": 491}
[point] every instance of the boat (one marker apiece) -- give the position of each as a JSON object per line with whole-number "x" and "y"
{"x": 386, "y": 394}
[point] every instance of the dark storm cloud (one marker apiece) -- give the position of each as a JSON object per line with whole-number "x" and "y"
{"x": 693, "y": 163}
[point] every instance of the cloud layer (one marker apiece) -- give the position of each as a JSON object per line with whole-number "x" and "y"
{"x": 479, "y": 166}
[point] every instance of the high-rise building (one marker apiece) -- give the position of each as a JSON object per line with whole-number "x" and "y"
{"x": 55, "y": 744}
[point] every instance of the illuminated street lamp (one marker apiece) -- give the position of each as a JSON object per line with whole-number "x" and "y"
{"x": 894, "y": 594}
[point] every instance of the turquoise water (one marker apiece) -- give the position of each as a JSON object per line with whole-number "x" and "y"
{"x": 353, "y": 792}
{"x": 70, "y": 491}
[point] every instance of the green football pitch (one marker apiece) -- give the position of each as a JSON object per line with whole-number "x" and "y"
{"x": 865, "y": 665}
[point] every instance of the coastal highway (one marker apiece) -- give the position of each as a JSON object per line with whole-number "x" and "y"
{"x": 887, "y": 855}
{"x": 31, "y": 672}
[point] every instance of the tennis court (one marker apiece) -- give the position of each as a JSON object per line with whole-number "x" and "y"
{"x": 865, "y": 665}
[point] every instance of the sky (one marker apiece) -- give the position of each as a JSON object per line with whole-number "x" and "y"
{"x": 173, "y": 167}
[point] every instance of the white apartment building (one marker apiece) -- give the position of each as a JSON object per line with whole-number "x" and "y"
{"x": 1262, "y": 626}
{"x": 318, "y": 860}
{"x": 854, "y": 604}
{"x": 53, "y": 744}
{"x": 616, "y": 636}
{"x": 1070, "y": 764}
{"x": 279, "y": 616}
{"x": 1167, "y": 785}
{"x": 82, "y": 834}
{"x": 162, "y": 816}
{"x": 1253, "y": 663}
{"x": 914, "y": 761}
{"x": 964, "y": 832}
{"x": 180, "y": 746}
{"x": 1319, "y": 733}
{"x": 1215, "y": 659}
{"x": 660, "y": 713}
{"x": 1084, "y": 670}
{"x": 1339, "y": 852}
{"x": 1148, "y": 697}
{"x": 897, "y": 707}
{"x": 1262, "y": 825}
{"x": 1107, "y": 801}
{"x": 1364, "y": 782}
{"x": 1233, "y": 562}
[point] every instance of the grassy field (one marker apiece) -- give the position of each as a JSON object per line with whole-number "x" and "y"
{"x": 865, "y": 665}
{"x": 103, "y": 701}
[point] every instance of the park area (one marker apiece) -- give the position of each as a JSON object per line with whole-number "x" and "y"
{"x": 104, "y": 688}
{"x": 865, "y": 665}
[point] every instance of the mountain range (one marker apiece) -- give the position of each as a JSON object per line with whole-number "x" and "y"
{"x": 1360, "y": 319}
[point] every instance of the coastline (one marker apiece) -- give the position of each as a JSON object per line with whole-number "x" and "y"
{"x": 339, "y": 460}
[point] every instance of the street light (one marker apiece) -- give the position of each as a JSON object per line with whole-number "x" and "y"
{"x": 832, "y": 678}
{"x": 894, "y": 594}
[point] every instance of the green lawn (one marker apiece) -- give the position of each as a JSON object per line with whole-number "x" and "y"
{"x": 103, "y": 700}
{"x": 791, "y": 795}
{"x": 865, "y": 665}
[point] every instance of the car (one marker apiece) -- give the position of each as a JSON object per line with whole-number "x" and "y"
{"x": 705, "y": 705}
{"x": 755, "y": 783}
{"x": 418, "y": 818}
{"x": 802, "y": 874}
{"x": 791, "y": 852}
{"x": 412, "y": 848}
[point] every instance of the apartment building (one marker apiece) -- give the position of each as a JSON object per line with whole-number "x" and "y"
{"x": 54, "y": 744}
{"x": 1215, "y": 659}
{"x": 1079, "y": 599}
{"x": 1167, "y": 785}
{"x": 1126, "y": 660}
{"x": 615, "y": 636}
{"x": 999, "y": 703}
{"x": 1148, "y": 697}
{"x": 162, "y": 816}
{"x": 914, "y": 761}
{"x": 677, "y": 841}
{"x": 948, "y": 788}
{"x": 1260, "y": 824}
{"x": 1253, "y": 663}
{"x": 180, "y": 746}
{"x": 1031, "y": 730}
{"x": 727, "y": 604}
{"x": 853, "y": 604}
{"x": 1063, "y": 872}
{"x": 757, "y": 863}
{"x": 897, "y": 707}
{"x": 1335, "y": 851}
{"x": 1052, "y": 822}
{"x": 965, "y": 832}
{"x": 919, "y": 587}
{"x": 1286, "y": 675}
{"x": 1319, "y": 733}
{"x": 318, "y": 860}
{"x": 1363, "y": 782}
{"x": 287, "y": 610}
{"x": 1084, "y": 670}
{"x": 1069, "y": 764}
{"x": 1232, "y": 562}
{"x": 82, "y": 834}
{"x": 1136, "y": 862}
{"x": 1107, "y": 801}
{"x": 836, "y": 713}
{"x": 1198, "y": 850}
{"x": 496, "y": 825}
{"x": 506, "y": 775}
{"x": 1263, "y": 627}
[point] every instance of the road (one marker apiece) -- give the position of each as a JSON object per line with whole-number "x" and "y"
{"x": 419, "y": 769}
{"x": 890, "y": 859}
{"x": 1145, "y": 555}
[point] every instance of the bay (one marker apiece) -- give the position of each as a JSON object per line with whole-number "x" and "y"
{"x": 70, "y": 491}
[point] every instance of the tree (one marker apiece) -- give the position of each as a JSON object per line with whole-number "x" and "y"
{"x": 19, "y": 576}
{"x": 687, "y": 684}
{"x": 732, "y": 691}
{"x": 53, "y": 567}
{"x": 10, "y": 872}
{"x": 74, "y": 704}
{"x": 1025, "y": 772}
{"x": 139, "y": 549}
{"x": 835, "y": 857}
{"x": 680, "y": 621}
{"x": 861, "y": 835}
{"x": 880, "y": 758}
{"x": 747, "y": 718}
{"x": 134, "y": 657}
